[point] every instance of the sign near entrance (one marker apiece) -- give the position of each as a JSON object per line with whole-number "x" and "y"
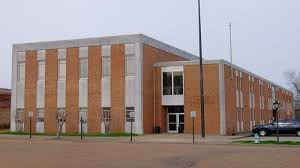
{"x": 193, "y": 114}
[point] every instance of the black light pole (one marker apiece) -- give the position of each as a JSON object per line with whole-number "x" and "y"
{"x": 201, "y": 75}
{"x": 193, "y": 130}
{"x": 131, "y": 129}
{"x": 276, "y": 112}
{"x": 81, "y": 133}
{"x": 277, "y": 129}
{"x": 30, "y": 128}
{"x": 30, "y": 114}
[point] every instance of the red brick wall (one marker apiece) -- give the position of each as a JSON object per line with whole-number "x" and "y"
{"x": 31, "y": 70}
{"x": 51, "y": 90}
{"x": 192, "y": 98}
{"x": 94, "y": 89}
{"x": 152, "y": 55}
{"x": 118, "y": 87}
{"x": 230, "y": 101}
{"x": 4, "y": 109}
{"x": 72, "y": 92}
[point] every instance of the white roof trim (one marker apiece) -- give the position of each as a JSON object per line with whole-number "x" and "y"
{"x": 135, "y": 38}
{"x": 178, "y": 63}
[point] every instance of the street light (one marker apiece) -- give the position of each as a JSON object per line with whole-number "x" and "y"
{"x": 201, "y": 75}
{"x": 193, "y": 116}
{"x": 131, "y": 115}
{"x": 275, "y": 107}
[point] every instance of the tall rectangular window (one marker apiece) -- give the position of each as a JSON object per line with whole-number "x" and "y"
{"x": 106, "y": 61}
{"x": 173, "y": 83}
{"x": 237, "y": 98}
{"x": 21, "y": 71}
{"x": 41, "y": 71}
{"x": 40, "y": 115}
{"x": 106, "y": 114}
{"x": 83, "y": 68}
{"x": 167, "y": 83}
{"x": 62, "y": 69}
{"x": 130, "y": 56}
{"x": 178, "y": 83}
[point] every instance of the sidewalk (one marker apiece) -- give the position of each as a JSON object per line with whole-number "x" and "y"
{"x": 153, "y": 138}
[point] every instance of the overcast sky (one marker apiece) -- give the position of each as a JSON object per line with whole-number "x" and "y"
{"x": 265, "y": 32}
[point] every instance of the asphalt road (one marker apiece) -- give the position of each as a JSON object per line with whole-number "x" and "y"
{"x": 19, "y": 153}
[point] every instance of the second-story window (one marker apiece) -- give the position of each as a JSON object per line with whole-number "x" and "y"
{"x": 106, "y": 61}
{"x": 84, "y": 68}
{"x": 21, "y": 71}
{"x": 41, "y": 71}
{"x": 62, "y": 69}
{"x": 167, "y": 83}
{"x": 131, "y": 63}
{"x": 173, "y": 83}
{"x": 178, "y": 83}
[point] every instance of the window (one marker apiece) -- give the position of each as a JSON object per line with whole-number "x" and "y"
{"x": 167, "y": 83}
{"x": 83, "y": 115}
{"x": 130, "y": 66}
{"x": 106, "y": 61}
{"x": 83, "y": 68}
{"x": 62, "y": 70}
{"x": 130, "y": 56}
{"x": 40, "y": 115}
{"x": 106, "y": 114}
{"x": 237, "y": 99}
{"x": 41, "y": 71}
{"x": 21, "y": 71}
{"x": 19, "y": 115}
{"x": 130, "y": 110}
{"x": 241, "y": 99}
{"x": 178, "y": 83}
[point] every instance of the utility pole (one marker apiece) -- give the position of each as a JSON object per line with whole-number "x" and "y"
{"x": 201, "y": 75}
{"x": 230, "y": 47}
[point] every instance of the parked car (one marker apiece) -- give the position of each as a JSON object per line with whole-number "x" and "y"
{"x": 284, "y": 127}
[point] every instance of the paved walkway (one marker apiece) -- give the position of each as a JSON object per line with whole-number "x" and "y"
{"x": 16, "y": 152}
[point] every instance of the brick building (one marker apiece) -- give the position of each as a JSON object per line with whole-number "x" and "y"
{"x": 104, "y": 80}
{"x": 4, "y": 108}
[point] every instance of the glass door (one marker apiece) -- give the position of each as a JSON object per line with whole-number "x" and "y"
{"x": 172, "y": 123}
{"x": 176, "y": 122}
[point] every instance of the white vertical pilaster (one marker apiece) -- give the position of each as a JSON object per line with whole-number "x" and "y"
{"x": 139, "y": 119}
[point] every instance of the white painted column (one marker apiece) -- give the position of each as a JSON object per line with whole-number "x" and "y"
{"x": 139, "y": 119}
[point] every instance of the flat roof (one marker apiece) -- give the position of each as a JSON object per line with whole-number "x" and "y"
{"x": 109, "y": 40}
{"x": 221, "y": 61}
{"x": 5, "y": 91}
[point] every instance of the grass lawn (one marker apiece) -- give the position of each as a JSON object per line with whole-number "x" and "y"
{"x": 269, "y": 142}
{"x": 117, "y": 134}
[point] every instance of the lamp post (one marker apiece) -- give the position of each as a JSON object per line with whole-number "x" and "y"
{"x": 193, "y": 116}
{"x": 201, "y": 75}
{"x": 81, "y": 132}
{"x": 276, "y": 105}
{"x": 131, "y": 121}
{"x": 30, "y": 115}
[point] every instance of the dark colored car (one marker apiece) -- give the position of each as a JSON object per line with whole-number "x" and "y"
{"x": 284, "y": 127}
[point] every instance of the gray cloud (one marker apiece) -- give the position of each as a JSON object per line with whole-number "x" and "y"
{"x": 265, "y": 33}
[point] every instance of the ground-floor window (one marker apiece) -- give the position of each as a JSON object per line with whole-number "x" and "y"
{"x": 106, "y": 118}
{"x": 19, "y": 120}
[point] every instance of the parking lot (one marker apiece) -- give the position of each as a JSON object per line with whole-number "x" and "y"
{"x": 93, "y": 153}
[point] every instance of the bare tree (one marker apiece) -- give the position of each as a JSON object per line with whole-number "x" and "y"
{"x": 293, "y": 80}
{"x": 60, "y": 120}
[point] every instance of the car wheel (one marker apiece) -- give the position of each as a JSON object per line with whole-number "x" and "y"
{"x": 262, "y": 133}
{"x": 298, "y": 133}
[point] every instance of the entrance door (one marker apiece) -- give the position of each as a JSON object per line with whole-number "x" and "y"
{"x": 175, "y": 122}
